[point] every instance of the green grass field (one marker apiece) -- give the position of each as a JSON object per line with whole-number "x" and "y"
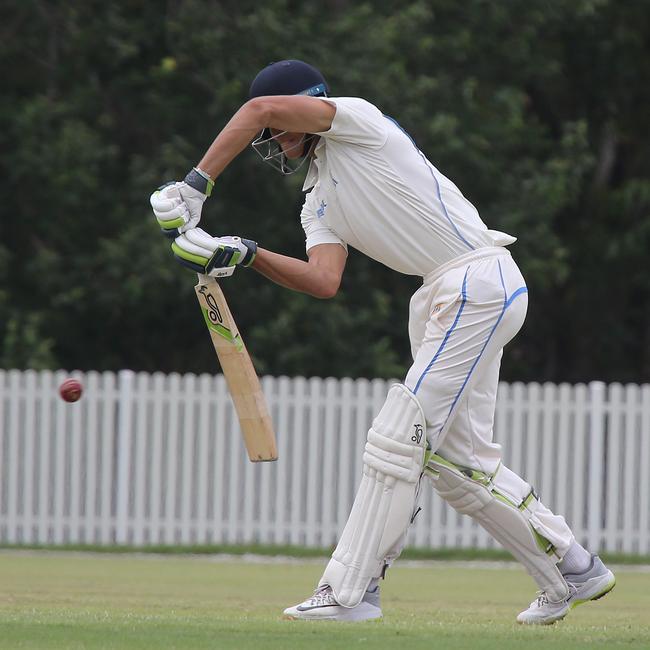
{"x": 79, "y": 601}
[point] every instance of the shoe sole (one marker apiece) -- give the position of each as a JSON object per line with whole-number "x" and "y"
{"x": 364, "y": 611}
{"x": 288, "y": 617}
{"x": 608, "y": 587}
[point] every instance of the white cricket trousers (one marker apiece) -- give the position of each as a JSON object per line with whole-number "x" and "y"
{"x": 460, "y": 319}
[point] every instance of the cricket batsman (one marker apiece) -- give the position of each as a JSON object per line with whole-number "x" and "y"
{"x": 369, "y": 186}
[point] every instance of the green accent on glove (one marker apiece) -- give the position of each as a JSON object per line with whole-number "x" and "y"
{"x": 225, "y": 256}
{"x": 174, "y": 224}
{"x": 190, "y": 257}
{"x": 209, "y": 187}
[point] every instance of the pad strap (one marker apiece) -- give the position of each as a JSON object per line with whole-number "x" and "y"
{"x": 508, "y": 508}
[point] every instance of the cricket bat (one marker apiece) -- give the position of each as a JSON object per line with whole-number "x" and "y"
{"x": 241, "y": 378}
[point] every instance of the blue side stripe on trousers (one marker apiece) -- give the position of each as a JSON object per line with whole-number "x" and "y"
{"x": 515, "y": 294}
{"x": 447, "y": 334}
{"x": 506, "y": 303}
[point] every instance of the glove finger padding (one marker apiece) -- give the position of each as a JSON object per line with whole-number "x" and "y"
{"x": 193, "y": 200}
{"x": 169, "y": 208}
{"x": 194, "y": 249}
{"x": 199, "y": 242}
{"x": 165, "y": 197}
{"x": 201, "y": 252}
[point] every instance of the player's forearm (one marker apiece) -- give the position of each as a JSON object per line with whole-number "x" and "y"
{"x": 299, "y": 114}
{"x": 245, "y": 124}
{"x": 292, "y": 273}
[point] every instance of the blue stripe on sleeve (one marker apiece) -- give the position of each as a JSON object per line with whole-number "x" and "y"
{"x": 435, "y": 180}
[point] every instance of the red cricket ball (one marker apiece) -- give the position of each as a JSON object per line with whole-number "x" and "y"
{"x": 70, "y": 390}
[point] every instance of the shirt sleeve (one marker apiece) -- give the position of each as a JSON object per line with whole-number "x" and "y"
{"x": 316, "y": 232}
{"x": 356, "y": 122}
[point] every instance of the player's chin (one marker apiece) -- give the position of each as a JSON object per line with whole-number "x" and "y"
{"x": 293, "y": 147}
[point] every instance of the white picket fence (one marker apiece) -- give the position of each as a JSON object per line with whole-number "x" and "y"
{"x": 157, "y": 459}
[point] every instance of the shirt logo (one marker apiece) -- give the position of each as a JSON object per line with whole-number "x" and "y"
{"x": 320, "y": 213}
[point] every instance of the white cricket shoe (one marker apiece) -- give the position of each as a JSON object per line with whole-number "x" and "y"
{"x": 322, "y": 606}
{"x": 593, "y": 584}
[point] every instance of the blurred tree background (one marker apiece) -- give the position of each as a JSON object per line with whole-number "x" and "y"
{"x": 537, "y": 109}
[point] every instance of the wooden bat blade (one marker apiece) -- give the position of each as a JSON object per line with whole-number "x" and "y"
{"x": 243, "y": 382}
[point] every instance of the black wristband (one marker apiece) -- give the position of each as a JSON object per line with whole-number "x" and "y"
{"x": 199, "y": 182}
{"x": 252, "y": 252}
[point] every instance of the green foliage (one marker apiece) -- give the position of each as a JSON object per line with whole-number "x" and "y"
{"x": 537, "y": 110}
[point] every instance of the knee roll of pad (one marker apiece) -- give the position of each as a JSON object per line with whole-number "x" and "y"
{"x": 506, "y": 507}
{"x": 385, "y": 502}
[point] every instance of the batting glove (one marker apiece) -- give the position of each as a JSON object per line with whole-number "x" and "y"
{"x": 205, "y": 254}
{"x": 178, "y": 206}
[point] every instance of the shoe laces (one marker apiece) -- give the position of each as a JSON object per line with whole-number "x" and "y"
{"x": 322, "y": 596}
{"x": 573, "y": 589}
{"x": 542, "y": 598}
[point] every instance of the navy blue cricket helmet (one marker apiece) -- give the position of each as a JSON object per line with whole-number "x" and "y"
{"x": 290, "y": 77}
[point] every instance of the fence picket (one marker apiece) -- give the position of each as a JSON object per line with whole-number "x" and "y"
{"x": 187, "y": 455}
{"x": 547, "y": 486}
{"x": 561, "y": 458}
{"x": 313, "y": 486}
{"x": 596, "y": 447}
{"x": 613, "y": 462}
{"x": 125, "y": 435}
{"x": 13, "y": 453}
{"x": 60, "y": 467}
{"x": 90, "y": 461}
{"x": 44, "y": 438}
{"x": 282, "y": 427}
{"x": 140, "y": 464}
{"x": 220, "y": 461}
{"x": 531, "y": 473}
{"x": 630, "y": 539}
{"x": 644, "y": 475}
{"x": 29, "y": 473}
{"x": 297, "y": 478}
{"x": 235, "y": 490}
{"x": 578, "y": 519}
{"x": 203, "y": 458}
{"x": 156, "y": 460}
{"x": 344, "y": 448}
{"x": 107, "y": 526}
{"x": 330, "y": 450}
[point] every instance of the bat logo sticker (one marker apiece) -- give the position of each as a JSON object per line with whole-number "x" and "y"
{"x": 418, "y": 433}
{"x": 213, "y": 309}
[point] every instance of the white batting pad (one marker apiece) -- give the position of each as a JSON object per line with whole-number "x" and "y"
{"x": 384, "y": 505}
{"x": 506, "y": 506}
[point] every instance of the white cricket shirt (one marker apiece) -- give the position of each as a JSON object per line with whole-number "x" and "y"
{"x": 373, "y": 189}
